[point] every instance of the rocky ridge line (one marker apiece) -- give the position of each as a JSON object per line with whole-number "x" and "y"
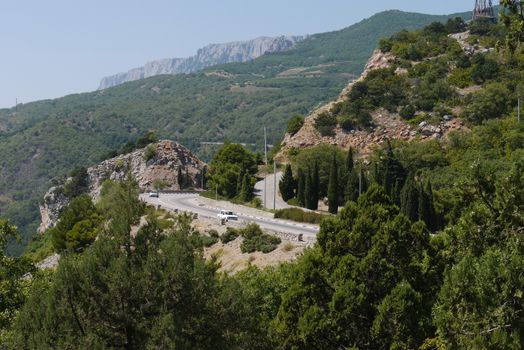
{"x": 210, "y": 55}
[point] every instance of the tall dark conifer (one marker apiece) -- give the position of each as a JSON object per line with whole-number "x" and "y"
{"x": 426, "y": 208}
{"x": 350, "y": 163}
{"x": 409, "y": 199}
{"x": 315, "y": 187}
{"x": 308, "y": 193}
{"x": 287, "y": 184}
{"x": 301, "y": 187}
{"x": 333, "y": 187}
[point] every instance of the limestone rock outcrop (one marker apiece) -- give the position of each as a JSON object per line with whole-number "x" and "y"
{"x": 210, "y": 55}
{"x": 163, "y": 164}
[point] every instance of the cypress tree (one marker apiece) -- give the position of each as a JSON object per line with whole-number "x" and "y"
{"x": 287, "y": 184}
{"x": 333, "y": 187}
{"x": 301, "y": 188}
{"x": 247, "y": 190}
{"x": 240, "y": 181}
{"x": 180, "y": 178}
{"x": 308, "y": 193}
{"x": 351, "y": 188}
{"x": 188, "y": 182}
{"x": 315, "y": 187}
{"x": 350, "y": 164}
{"x": 409, "y": 199}
{"x": 426, "y": 208}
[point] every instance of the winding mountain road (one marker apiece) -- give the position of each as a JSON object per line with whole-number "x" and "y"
{"x": 192, "y": 202}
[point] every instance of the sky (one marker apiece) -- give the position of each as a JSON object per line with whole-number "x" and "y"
{"x": 53, "y": 48}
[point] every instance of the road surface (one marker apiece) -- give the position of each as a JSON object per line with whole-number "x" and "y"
{"x": 190, "y": 202}
{"x": 270, "y": 191}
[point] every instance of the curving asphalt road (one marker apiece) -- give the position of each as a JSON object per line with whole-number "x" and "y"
{"x": 190, "y": 202}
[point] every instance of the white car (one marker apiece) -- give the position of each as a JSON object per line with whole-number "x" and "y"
{"x": 153, "y": 194}
{"x": 227, "y": 215}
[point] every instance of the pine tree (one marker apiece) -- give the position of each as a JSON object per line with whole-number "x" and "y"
{"x": 315, "y": 187}
{"x": 287, "y": 184}
{"x": 333, "y": 187}
{"x": 409, "y": 199}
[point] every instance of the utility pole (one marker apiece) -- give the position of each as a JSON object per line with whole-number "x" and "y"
{"x": 216, "y": 192}
{"x": 265, "y": 162}
{"x": 274, "y": 184}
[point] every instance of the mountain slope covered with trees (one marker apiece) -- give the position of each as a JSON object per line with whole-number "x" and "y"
{"x": 379, "y": 276}
{"x": 44, "y": 140}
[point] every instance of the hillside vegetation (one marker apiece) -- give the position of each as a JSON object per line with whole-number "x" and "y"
{"x": 44, "y": 140}
{"x": 428, "y": 256}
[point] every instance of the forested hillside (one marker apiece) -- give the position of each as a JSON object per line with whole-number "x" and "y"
{"x": 429, "y": 256}
{"x": 44, "y": 140}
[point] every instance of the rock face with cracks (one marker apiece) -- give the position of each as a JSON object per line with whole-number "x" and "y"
{"x": 160, "y": 161}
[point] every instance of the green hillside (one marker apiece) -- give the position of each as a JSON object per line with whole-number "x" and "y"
{"x": 44, "y": 140}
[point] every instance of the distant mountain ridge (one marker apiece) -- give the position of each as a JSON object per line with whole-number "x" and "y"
{"x": 210, "y": 55}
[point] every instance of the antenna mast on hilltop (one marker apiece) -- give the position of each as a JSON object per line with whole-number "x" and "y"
{"x": 484, "y": 10}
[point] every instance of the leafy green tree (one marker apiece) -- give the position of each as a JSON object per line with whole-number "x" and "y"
{"x": 226, "y": 166}
{"x": 333, "y": 194}
{"x": 456, "y": 25}
{"x": 491, "y": 102}
{"x": 77, "y": 184}
{"x": 513, "y": 19}
{"x": 287, "y": 184}
{"x": 13, "y": 285}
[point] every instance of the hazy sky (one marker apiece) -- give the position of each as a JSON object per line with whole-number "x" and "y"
{"x": 56, "y": 47}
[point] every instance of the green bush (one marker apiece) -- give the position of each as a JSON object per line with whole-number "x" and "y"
{"x": 325, "y": 124}
{"x": 256, "y": 240}
{"x": 149, "y": 152}
{"x": 208, "y": 241}
{"x": 294, "y": 124}
{"x": 230, "y": 235}
{"x": 407, "y": 112}
{"x": 298, "y": 215}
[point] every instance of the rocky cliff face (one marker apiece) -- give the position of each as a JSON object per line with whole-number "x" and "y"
{"x": 207, "y": 56}
{"x": 164, "y": 165}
